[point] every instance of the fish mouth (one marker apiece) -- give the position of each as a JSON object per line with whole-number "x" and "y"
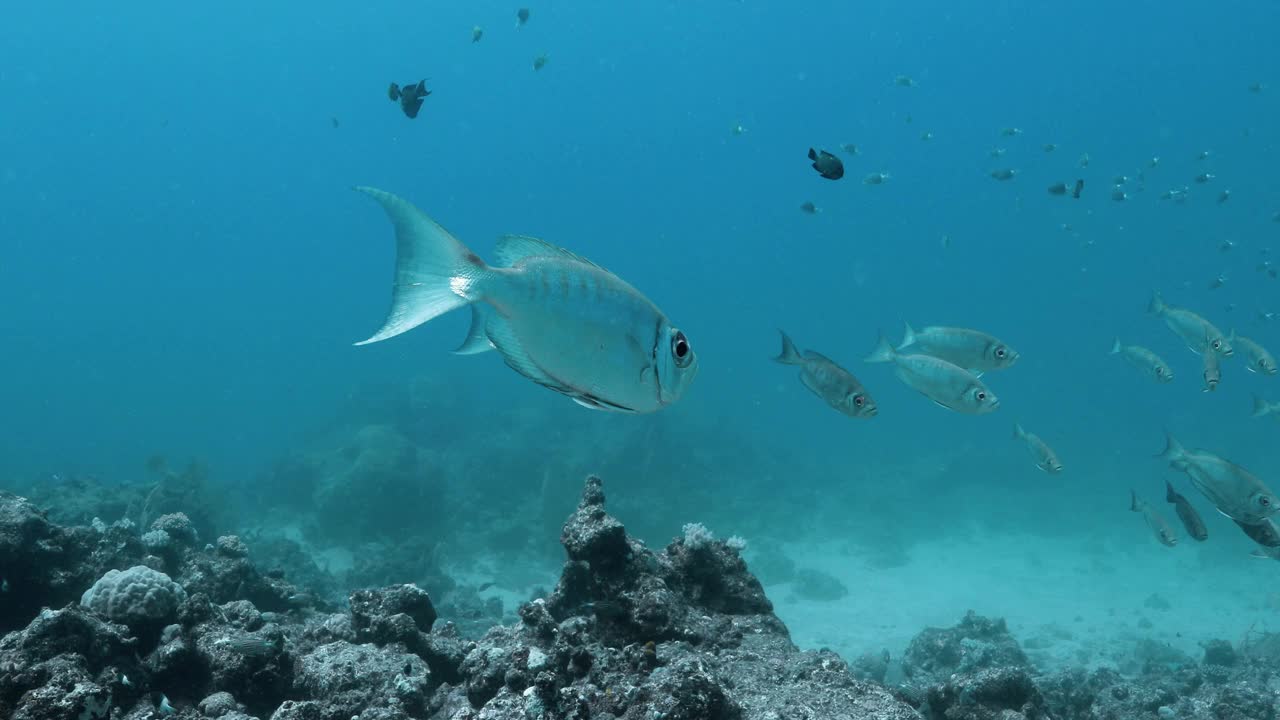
{"x": 871, "y": 412}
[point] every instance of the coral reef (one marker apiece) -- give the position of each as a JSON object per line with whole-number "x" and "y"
{"x": 133, "y": 622}
{"x": 684, "y": 632}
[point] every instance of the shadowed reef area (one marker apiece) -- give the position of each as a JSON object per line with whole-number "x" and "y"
{"x": 105, "y": 621}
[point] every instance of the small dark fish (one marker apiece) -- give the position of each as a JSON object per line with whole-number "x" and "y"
{"x": 477, "y": 32}
{"x": 1224, "y": 196}
{"x": 835, "y": 385}
{"x": 1058, "y": 189}
{"x": 540, "y": 61}
{"x": 522, "y": 16}
{"x": 334, "y": 120}
{"x": 1264, "y": 533}
{"x": 410, "y": 97}
{"x": 1004, "y": 174}
{"x": 1203, "y": 178}
{"x": 1075, "y": 191}
{"x": 1119, "y": 195}
{"x": 828, "y": 166}
{"x": 1049, "y": 147}
{"x": 808, "y": 207}
{"x": 1191, "y": 519}
{"x": 485, "y": 586}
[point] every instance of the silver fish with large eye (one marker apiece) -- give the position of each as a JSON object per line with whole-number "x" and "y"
{"x": 556, "y": 318}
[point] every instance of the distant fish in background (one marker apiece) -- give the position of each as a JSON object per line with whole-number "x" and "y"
{"x": 824, "y": 378}
{"x": 1046, "y": 459}
{"x": 1233, "y": 490}
{"x": 1079, "y": 187}
{"x": 1049, "y": 147}
{"x": 1257, "y": 358}
{"x": 1187, "y": 513}
{"x": 1143, "y": 359}
{"x": 904, "y": 81}
{"x": 1010, "y": 132}
{"x": 807, "y": 207}
{"x": 1059, "y": 189}
{"x": 1159, "y": 526}
{"x": 878, "y": 178}
{"x": 556, "y": 318}
{"x": 972, "y": 350}
{"x": 738, "y": 129}
{"x": 541, "y": 61}
{"x": 522, "y": 17}
{"x": 477, "y": 32}
{"x": 1199, "y": 334}
{"x": 334, "y": 121}
{"x": 947, "y": 385}
{"x": 828, "y": 166}
{"x": 849, "y": 148}
{"x": 1262, "y": 408}
{"x": 1004, "y": 174}
{"x": 410, "y": 97}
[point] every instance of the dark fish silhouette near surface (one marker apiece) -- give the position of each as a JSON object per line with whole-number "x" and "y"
{"x": 827, "y": 165}
{"x": 410, "y": 96}
{"x": 1075, "y": 192}
{"x": 1191, "y": 519}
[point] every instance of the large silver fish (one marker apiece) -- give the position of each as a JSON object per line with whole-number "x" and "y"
{"x": 1148, "y": 362}
{"x": 837, "y": 386}
{"x": 1236, "y": 492}
{"x": 1159, "y": 526}
{"x": 1046, "y": 459}
{"x": 948, "y": 385}
{"x": 1257, "y": 357}
{"x": 1194, "y": 330}
{"x": 556, "y": 318}
{"x": 1187, "y": 513}
{"x": 970, "y": 349}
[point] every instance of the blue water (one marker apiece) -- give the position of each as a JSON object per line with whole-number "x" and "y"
{"x": 185, "y": 265}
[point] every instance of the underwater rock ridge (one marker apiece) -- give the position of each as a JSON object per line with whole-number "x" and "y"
{"x": 629, "y": 632}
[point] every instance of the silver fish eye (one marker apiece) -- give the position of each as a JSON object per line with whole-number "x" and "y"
{"x": 1217, "y": 344}
{"x": 1264, "y": 501}
{"x": 1000, "y": 352}
{"x": 681, "y": 350}
{"x": 981, "y": 396}
{"x": 859, "y": 401}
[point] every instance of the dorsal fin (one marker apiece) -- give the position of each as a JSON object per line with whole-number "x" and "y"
{"x": 511, "y": 249}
